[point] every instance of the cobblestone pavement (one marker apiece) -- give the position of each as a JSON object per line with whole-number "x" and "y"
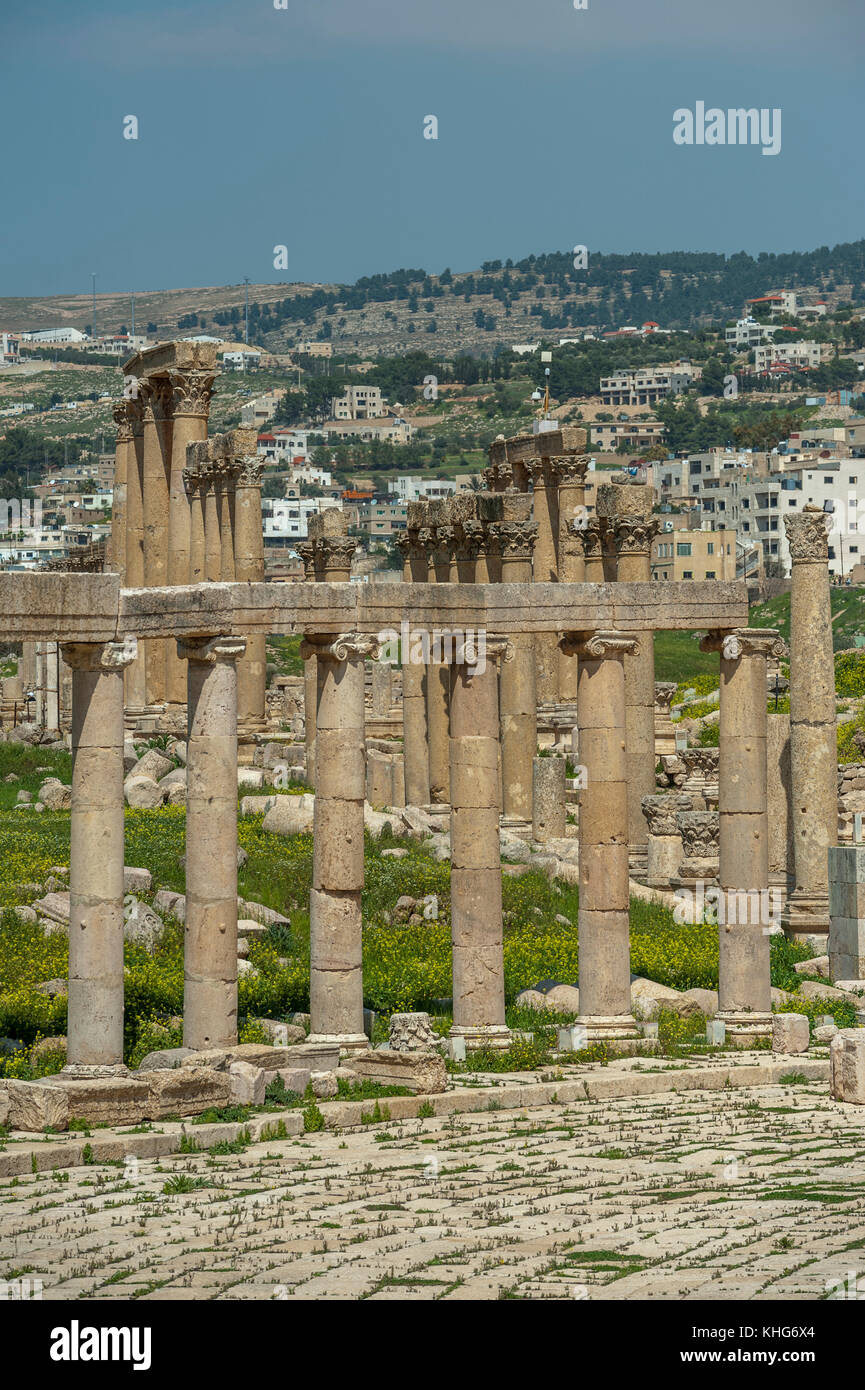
{"x": 756, "y": 1194}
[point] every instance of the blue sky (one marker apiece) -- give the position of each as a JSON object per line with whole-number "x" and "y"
{"x": 304, "y": 126}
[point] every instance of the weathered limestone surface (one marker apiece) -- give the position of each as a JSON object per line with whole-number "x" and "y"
{"x": 847, "y": 1060}
{"x": 421, "y": 1072}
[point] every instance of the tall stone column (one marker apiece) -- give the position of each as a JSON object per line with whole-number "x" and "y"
{"x": 744, "y": 986}
{"x": 192, "y": 477}
{"x": 414, "y": 675}
{"x": 51, "y": 668}
{"x": 212, "y": 485}
{"x": 476, "y": 871}
{"x": 813, "y": 737}
{"x": 336, "y": 963}
{"x": 226, "y": 521}
{"x": 545, "y": 506}
{"x": 440, "y": 543}
{"x": 210, "y": 933}
{"x": 604, "y": 950}
{"x": 134, "y": 680}
{"x": 780, "y": 801}
{"x": 95, "y": 1019}
{"x": 156, "y": 470}
{"x": 571, "y": 555}
{"x": 634, "y": 545}
{"x": 306, "y": 551}
{"x": 593, "y": 551}
{"x": 190, "y": 393}
{"x": 122, "y": 449}
{"x": 249, "y": 569}
{"x": 518, "y": 684}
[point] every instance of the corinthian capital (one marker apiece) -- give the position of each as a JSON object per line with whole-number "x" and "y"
{"x": 191, "y": 391}
{"x": 635, "y": 536}
{"x": 808, "y": 535}
{"x": 249, "y": 471}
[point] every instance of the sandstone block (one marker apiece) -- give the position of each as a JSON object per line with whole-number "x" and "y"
{"x": 847, "y": 1066}
{"x": 790, "y": 1033}
{"x": 142, "y": 793}
{"x": 154, "y": 765}
{"x": 324, "y": 1085}
{"x": 166, "y": 1058}
{"x": 186, "y": 1091}
{"x": 420, "y": 1072}
{"x": 55, "y": 795}
{"x": 35, "y": 1106}
{"x": 141, "y": 925}
{"x": 248, "y": 1083}
{"x": 137, "y": 880}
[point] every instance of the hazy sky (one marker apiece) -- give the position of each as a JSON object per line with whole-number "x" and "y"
{"x": 303, "y": 126}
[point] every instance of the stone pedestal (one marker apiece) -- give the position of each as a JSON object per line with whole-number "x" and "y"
{"x": 336, "y": 967}
{"x": 605, "y": 968}
{"x": 813, "y": 747}
{"x": 95, "y": 1018}
{"x": 210, "y": 934}
{"x": 664, "y": 845}
{"x": 476, "y": 875}
{"x": 665, "y": 729}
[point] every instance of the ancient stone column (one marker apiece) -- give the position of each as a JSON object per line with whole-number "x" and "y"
{"x": 134, "y": 680}
{"x": 545, "y": 507}
{"x": 306, "y": 551}
{"x": 226, "y": 521}
{"x": 476, "y": 873}
{"x": 190, "y": 392}
{"x": 192, "y": 477}
{"x": 249, "y": 569}
{"x": 779, "y": 799}
{"x": 440, "y": 542}
{"x": 414, "y": 676}
{"x": 593, "y": 551}
{"x": 518, "y": 685}
{"x": 336, "y": 967}
{"x": 665, "y": 729}
{"x": 664, "y": 850}
{"x": 211, "y": 479}
{"x": 51, "y": 684}
{"x": 210, "y": 933}
{"x": 604, "y": 950}
{"x": 95, "y": 1019}
{"x": 549, "y": 815}
{"x": 156, "y": 470}
{"x": 634, "y": 543}
{"x": 380, "y": 696}
{"x": 744, "y": 993}
{"x": 572, "y": 471}
{"x": 813, "y": 738}
{"x": 122, "y": 450}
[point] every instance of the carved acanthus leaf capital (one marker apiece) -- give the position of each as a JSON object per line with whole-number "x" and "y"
{"x": 808, "y": 535}
{"x": 249, "y": 471}
{"x": 191, "y": 391}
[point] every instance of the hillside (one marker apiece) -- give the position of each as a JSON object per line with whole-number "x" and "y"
{"x": 477, "y": 311}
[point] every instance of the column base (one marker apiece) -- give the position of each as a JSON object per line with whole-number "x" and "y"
{"x": 806, "y": 914}
{"x": 348, "y": 1043}
{"x": 496, "y": 1036}
{"x": 522, "y": 829}
{"x": 638, "y": 863}
{"x": 744, "y": 1028}
{"x": 602, "y": 1029}
{"x": 84, "y": 1071}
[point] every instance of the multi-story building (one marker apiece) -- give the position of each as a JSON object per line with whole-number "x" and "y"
{"x": 796, "y": 355}
{"x": 636, "y": 434}
{"x": 679, "y": 554}
{"x": 55, "y": 335}
{"x": 285, "y": 519}
{"x": 414, "y": 487}
{"x": 747, "y": 333}
{"x": 787, "y": 302}
{"x": 381, "y": 518}
{"x": 358, "y": 403}
{"x": 646, "y": 385}
{"x": 9, "y": 344}
{"x": 284, "y": 445}
{"x": 389, "y": 431}
{"x": 254, "y": 414}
